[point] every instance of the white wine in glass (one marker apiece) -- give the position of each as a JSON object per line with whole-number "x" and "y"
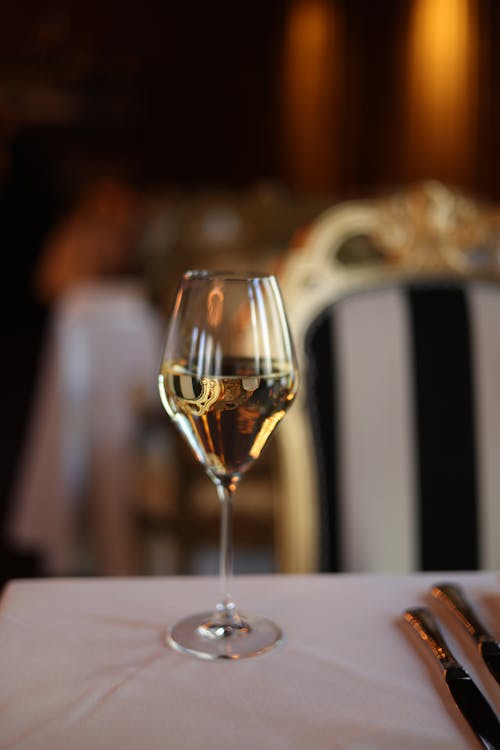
{"x": 227, "y": 377}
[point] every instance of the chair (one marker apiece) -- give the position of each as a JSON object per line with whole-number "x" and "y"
{"x": 389, "y": 458}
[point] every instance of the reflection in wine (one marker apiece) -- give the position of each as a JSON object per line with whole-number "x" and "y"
{"x": 227, "y": 419}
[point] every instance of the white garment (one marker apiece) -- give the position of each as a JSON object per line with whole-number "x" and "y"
{"x": 102, "y": 353}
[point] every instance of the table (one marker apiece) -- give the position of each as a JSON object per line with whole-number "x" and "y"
{"x": 83, "y": 664}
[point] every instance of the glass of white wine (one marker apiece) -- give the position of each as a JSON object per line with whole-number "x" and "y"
{"x": 227, "y": 377}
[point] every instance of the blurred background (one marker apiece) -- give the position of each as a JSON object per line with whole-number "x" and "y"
{"x": 138, "y": 140}
{"x": 331, "y": 96}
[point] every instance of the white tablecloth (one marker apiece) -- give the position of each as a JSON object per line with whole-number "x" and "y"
{"x": 83, "y": 665}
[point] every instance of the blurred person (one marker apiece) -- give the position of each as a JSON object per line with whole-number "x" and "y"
{"x": 29, "y": 205}
{"x": 91, "y": 241}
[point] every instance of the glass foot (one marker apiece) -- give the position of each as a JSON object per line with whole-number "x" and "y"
{"x": 207, "y": 637}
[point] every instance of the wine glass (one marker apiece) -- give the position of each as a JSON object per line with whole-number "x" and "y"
{"x": 227, "y": 377}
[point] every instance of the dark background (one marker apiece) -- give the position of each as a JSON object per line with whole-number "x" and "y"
{"x": 193, "y": 93}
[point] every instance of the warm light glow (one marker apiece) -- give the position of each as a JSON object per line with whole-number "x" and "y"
{"x": 215, "y": 306}
{"x": 442, "y": 88}
{"x": 265, "y": 432}
{"x": 311, "y": 79}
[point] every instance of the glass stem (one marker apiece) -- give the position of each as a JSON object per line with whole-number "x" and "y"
{"x": 226, "y": 608}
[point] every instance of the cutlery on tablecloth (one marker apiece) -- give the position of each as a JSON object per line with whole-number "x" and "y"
{"x": 453, "y": 596}
{"x": 467, "y": 696}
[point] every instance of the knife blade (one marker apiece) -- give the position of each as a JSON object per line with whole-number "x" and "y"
{"x": 467, "y": 696}
{"x": 452, "y": 595}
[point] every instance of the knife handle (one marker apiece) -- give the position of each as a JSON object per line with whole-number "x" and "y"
{"x": 454, "y": 598}
{"x": 424, "y": 623}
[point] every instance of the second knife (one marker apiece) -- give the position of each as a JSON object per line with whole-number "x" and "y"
{"x": 454, "y": 598}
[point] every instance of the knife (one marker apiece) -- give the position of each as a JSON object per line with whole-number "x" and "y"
{"x": 467, "y": 696}
{"x": 453, "y": 596}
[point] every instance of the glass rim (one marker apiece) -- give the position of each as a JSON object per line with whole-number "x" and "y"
{"x": 209, "y": 274}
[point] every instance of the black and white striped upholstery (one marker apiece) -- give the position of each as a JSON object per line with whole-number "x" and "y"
{"x": 392, "y": 458}
{"x": 403, "y": 386}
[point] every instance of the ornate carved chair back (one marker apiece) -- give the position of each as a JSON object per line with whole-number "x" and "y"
{"x": 390, "y": 458}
